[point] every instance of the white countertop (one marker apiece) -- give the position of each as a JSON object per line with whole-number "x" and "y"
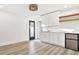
{"x": 61, "y": 30}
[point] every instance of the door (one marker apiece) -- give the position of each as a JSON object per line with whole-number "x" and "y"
{"x": 31, "y": 30}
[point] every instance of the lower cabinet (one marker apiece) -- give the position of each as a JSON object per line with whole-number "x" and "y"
{"x": 44, "y": 37}
{"x": 72, "y": 41}
{"x": 72, "y": 44}
{"x": 61, "y": 39}
{"x": 55, "y": 38}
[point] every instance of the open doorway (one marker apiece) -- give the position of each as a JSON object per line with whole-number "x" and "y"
{"x": 31, "y": 30}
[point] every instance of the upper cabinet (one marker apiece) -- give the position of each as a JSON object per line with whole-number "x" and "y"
{"x": 50, "y": 19}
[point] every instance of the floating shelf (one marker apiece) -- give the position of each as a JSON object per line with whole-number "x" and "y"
{"x": 70, "y": 17}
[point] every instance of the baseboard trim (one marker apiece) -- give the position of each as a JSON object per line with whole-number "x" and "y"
{"x": 5, "y": 44}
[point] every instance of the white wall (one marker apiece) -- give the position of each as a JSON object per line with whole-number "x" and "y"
{"x": 69, "y": 24}
{"x": 68, "y": 12}
{"x": 11, "y": 28}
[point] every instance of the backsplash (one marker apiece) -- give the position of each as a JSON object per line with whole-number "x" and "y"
{"x": 70, "y": 24}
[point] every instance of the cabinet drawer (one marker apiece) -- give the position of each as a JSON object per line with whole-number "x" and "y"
{"x": 71, "y": 44}
{"x": 72, "y": 36}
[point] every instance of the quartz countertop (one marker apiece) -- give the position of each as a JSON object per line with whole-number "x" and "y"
{"x": 61, "y": 30}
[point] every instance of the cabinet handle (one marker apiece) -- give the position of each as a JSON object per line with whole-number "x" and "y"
{"x": 71, "y": 39}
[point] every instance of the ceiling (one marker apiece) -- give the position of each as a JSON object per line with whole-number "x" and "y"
{"x": 22, "y": 9}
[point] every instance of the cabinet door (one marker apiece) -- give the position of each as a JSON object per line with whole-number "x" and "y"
{"x": 51, "y": 19}
{"x": 53, "y": 38}
{"x": 61, "y": 39}
{"x": 44, "y": 37}
{"x": 72, "y": 44}
{"x": 72, "y": 41}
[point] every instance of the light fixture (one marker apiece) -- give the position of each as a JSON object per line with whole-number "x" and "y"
{"x": 33, "y": 7}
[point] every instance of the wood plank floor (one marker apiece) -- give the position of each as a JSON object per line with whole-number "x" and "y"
{"x": 35, "y": 48}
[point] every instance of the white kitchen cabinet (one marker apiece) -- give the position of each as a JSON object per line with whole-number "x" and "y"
{"x": 51, "y": 19}
{"x": 53, "y": 38}
{"x": 56, "y": 38}
{"x": 61, "y": 39}
{"x": 44, "y": 37}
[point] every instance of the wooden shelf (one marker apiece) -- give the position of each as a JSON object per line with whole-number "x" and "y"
{"x": 70, "y": 17}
